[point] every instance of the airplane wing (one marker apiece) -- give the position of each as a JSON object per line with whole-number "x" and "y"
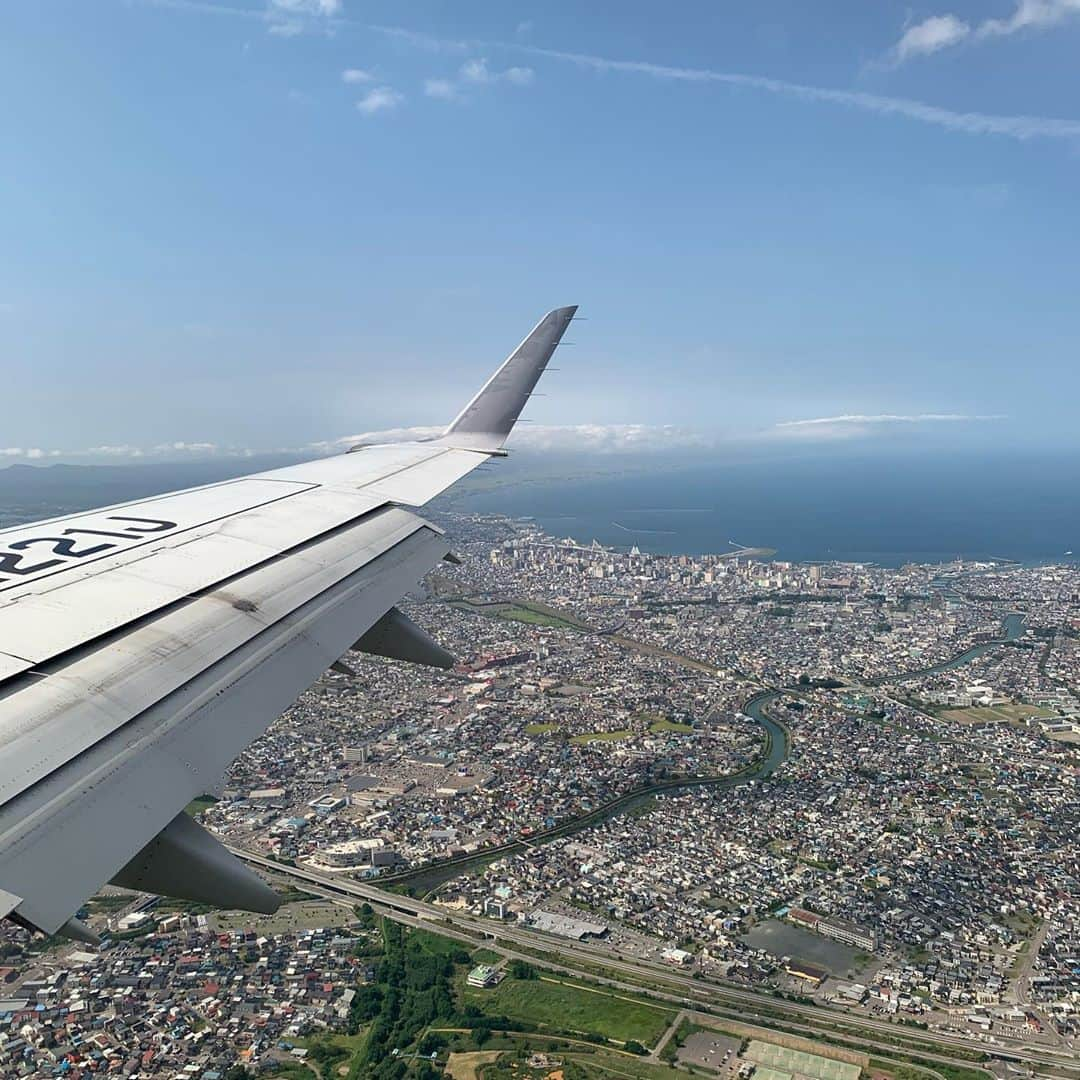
{"x": 144, "y": 645}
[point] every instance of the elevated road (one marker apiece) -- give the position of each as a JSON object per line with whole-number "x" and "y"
{"x": 693, "y": 990}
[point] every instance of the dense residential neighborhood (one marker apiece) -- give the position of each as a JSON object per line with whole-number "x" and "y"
{"x": 849, "y": 783}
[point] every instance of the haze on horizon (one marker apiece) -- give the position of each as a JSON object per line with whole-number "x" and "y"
{"x": 277, "y": 225}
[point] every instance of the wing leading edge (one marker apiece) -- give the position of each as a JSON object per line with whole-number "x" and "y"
{"x": 156, "y": 639}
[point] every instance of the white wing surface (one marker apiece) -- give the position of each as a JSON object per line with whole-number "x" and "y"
{"x": 144, "y": 645}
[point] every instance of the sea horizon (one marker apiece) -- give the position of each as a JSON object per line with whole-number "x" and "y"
{"x": 880, "y": 512}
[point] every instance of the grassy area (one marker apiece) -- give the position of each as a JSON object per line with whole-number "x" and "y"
{"x": 579, "y": 1062}
{"x": 349, "y": 1043}
{"x": 930, "y": 1069}
{"x": 602, "y": 1064}
{"x": 669, "y": 725}
{"x": 108, "y": 902}
{"x": 437, "y": 945}
{"x": 524, "y": 611}
{"x": 600, "y": 736}
{"x": 533, "y": 618}
{"x": 292, "y": 1070}
{"x": 197, "y": 806}
{"x": 559, "y": 1005}
{"x": 540, "y": 729}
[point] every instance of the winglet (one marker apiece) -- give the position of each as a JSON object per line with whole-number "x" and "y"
{"x": 487, "y": 420}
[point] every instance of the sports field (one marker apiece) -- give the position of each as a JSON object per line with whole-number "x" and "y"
{"x": 788, "y": 1062}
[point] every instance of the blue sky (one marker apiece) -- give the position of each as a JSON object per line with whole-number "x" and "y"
{"x": 279, "y": 223}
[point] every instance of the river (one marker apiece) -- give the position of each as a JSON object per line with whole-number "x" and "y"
{"x": 777, "y": 742}
{"x": 1013, "y": 631}
{"x": 426, "y": 878}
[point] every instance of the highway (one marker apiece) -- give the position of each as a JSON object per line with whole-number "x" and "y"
{"x": 470, "y": 927}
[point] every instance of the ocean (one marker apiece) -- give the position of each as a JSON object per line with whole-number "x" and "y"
{"x": 882, "y": 511}
{"x": 887, "y": 510}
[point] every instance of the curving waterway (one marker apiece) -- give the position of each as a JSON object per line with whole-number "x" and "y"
{"x": 1012, "y": 630}
{"x": 775, "y": 751}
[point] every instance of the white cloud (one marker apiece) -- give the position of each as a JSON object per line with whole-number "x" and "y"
{"x": 285, "y": 29}
{"x": 888, "y": 418}
{"x": 970, "y": 123}
{"x": 1028, "y": 13}
{"x": 1037, "y": 14}
{"x": 323, "y": 8}
{"x": 380, "y": 99}
{"x": 478, "y": 72}
{"x": 931, "y": 35}
{"x": 112, "y": 451}
{"x": 356, "y": 75}
{"x": 442, "y": 90}
{"x": 943, "y": 31}
{"x": 417, "y": 40}
{"x": 472, "y": 75}
{"x": 597, "y": 438}
{"x": 853, "y": 425}
{"x": 590, "y": 438}
{"x": 475, "y": 71}
{"x": 287, "y": 18}
{"x": 186, "y": 448}
{"x": 608, "y": 438}
{"x": 31, "y": 452}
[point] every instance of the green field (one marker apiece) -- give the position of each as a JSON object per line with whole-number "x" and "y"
{"x": 590, "y": 1065}
{"x": 293, "y": 1070}
{"x": 669, "y": 725}
{"x": 524, "y": 611}
{"x": 600, "y": 736}
{"x": 990, "y": 714}
{"x": 197, "y": 806}
{"x": 603, "y": 1063}
{"x": 563, "y": 1006}
{"x": 540, "y": 729}
{"x": 533, "y": 618}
